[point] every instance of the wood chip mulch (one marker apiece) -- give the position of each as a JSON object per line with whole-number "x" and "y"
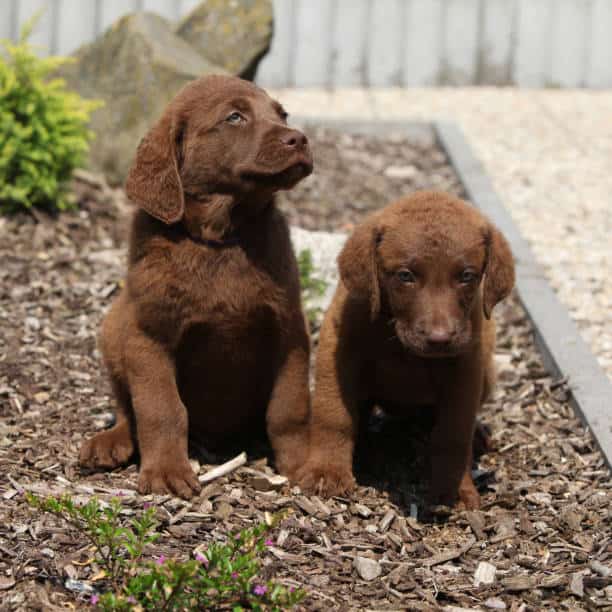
{"x": 542, "y": 540}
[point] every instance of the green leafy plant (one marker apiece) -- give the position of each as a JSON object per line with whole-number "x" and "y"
{"x": 224, "y": 576}
{"x": 117, "y": 547}
{"x": 43, "y": 128}
{"x": 312, "y": 287}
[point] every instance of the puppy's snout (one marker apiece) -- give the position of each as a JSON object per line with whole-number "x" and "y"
{"x": 439, "y": 337}
{"x": 294, "y": 140}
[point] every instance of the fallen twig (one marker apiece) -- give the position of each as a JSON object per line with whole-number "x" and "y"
{"x": 450, "y": 555}
{"x": 224, "y": 468}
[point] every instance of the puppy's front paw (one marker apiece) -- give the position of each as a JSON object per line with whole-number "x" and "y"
{"x": 290, "y": 466}
{"x": 174, "y": 477}
{"x": 107, "y": 449}
{"x": 326, "y": 480}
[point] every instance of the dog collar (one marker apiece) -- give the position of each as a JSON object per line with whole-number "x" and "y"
{"x": 217, "y": 244}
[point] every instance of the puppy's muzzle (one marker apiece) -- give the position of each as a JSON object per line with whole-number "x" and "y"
{"x": 436, "y": 342}
{"x": 296, "y": 145}
{"x": 294, "y": 140}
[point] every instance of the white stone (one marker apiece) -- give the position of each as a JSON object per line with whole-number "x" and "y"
{"x": 401, "y": 172}
{"x": 109, "y": 257}
{"x": 484, "y": 574}
{"x": 495, "y": 603}
{"x": 368, "y": 569}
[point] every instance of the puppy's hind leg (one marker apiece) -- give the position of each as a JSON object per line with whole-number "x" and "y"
{"x": 115, "y": 446}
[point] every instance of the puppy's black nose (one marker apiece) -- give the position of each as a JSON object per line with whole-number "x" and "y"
{"x": 294, "y": 139}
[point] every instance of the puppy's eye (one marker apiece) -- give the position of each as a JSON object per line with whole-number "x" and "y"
{"x": 467, "y": 277}
{"x": 406, "y": 276}
{"x": 284, "y": 115}
{"x": 234, "y": 118}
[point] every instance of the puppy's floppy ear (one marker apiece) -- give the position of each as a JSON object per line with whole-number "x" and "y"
{"x": 358, "y": 265}
{"x": 499, "y": 270}
{"x": 154, "y": 182}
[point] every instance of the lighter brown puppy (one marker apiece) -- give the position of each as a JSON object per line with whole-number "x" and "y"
{"x": 410, "y": 326}
{"x": 208, "y": 333}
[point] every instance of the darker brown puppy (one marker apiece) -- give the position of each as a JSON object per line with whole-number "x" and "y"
{"x": 410, "y": 325}
{"x": 208, "y": 331}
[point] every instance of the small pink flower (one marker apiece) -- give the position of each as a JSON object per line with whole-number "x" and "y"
{"x": 291, "y": 589}
{"x": 146, "y": 505}
{"x": 94, "y": 599}
{"x": 201, "y": 558}
{"x": 260, "y": 589}
{"x": 269, "y": 542}
{"x": 234, "y": 575}
{"x": 131, "y": 599}
{"x": 160, "y": 560}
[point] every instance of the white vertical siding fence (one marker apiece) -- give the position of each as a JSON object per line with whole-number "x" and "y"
{"x": 336, "y": 43}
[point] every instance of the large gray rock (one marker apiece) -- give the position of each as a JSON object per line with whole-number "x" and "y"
{"x": 233, "y": 34}
{"x": 136, "y": 67}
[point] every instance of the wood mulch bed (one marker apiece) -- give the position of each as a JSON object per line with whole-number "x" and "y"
{"x": 542, "y": 540}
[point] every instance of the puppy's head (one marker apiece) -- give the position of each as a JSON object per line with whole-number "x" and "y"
{"x": 433, "y": 263}
{"x": 221, "y": 141}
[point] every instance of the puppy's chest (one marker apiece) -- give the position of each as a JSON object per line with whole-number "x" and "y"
{"x": 234, "y": 294}
{"x": 234, "y": 326}
{"x": 402, "y": 381}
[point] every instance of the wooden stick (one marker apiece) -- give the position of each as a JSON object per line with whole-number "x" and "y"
{"x": 224, "y": 468}
{"x": 449, "y": 556}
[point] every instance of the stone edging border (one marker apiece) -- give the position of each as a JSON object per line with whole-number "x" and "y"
{"x": 564, "y": 351}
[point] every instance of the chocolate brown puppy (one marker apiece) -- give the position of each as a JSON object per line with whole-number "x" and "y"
{"x": 410, "y": 326}
{"x": 208, "y": 334}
